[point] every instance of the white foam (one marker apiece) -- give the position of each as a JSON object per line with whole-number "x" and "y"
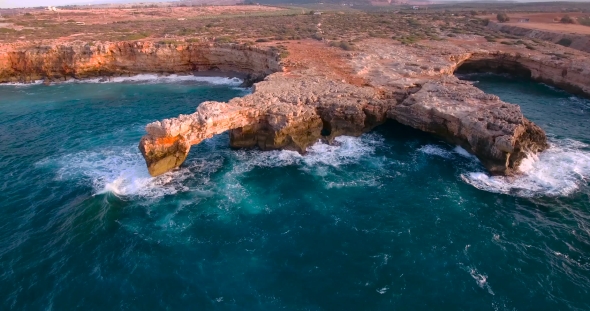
{"x": 149, "y": 78}
{"x": 481, "y": 280}
{"x": 153, "y": 78}
{"x": 120, "y": 171}
{"x": 559, "y": 171}
{"x": 36, "y": 82}
{"x": 464, "y": 153}
{"x": 345, "y": 150}
{"x": 436, "y": 151}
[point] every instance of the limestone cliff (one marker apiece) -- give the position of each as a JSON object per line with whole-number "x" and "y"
{"x": 312, "y": 100}
{"x": 79, "y": 60}
{"x": 578, "y": 41}
{"x": 412, "y": 85}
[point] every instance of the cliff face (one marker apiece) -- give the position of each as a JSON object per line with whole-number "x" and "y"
{"x": 78, "y": 60}
{"x": 568, "y": 74}
{"x": 292, "y": 109}
{"x": 497, "y": 132}
{"x": 413, "y": 85}
{"x": 578, "y": 42}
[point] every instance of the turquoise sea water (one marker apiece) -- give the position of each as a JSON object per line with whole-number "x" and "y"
{"x": 395, "y": 219}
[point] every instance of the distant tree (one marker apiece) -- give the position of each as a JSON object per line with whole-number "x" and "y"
{"x": 567, "y": 20}
{"x": 473, "y": 13}
{"x": 502, "y": 17}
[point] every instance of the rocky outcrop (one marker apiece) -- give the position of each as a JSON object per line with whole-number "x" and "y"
{"x": 294, "y": 108}
{"x": 412, "y": 85}
{"x": 282, "y": 113}
{"x": 78, "y": 60}
{"x": 575, "y": 41}
{"x": 569, "y": 74}
{"x": 495, "y": 131}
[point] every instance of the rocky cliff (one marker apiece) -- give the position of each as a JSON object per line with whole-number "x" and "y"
{"x": 412, "y": 85}
{"x": 79, "y": 60}
{"x": 576, "y": 41}
{"x": 321, "y": 98}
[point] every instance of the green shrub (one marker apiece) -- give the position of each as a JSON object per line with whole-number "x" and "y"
{"x": 262, "y": 40}
{"x": 502, "y": 17}
{"x": 343, "y": 45}
{"x": 317, "y": 37}
{"x": 567, "y": 20}
{"x": 224, "y": 39}
{"x": 565, "y": 42}
{"x": 134, "y": 36}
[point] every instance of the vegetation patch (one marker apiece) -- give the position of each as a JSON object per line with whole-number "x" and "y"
{"x": 565, "y": 42}
{"x": 502, "y": 17}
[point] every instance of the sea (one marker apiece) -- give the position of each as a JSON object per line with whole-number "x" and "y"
{"x": 395, "y": 219}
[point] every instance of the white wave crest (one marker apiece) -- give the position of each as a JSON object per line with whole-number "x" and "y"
{"x": 149, "y": 78}
{"x": 153, "y": 78}
{"x": 36, "y": 82}
{"x": 344, "y": 150}
{"x": 120, "y": 171}
{"x": 436, "y": 151}
{"x": 559, "y": 171}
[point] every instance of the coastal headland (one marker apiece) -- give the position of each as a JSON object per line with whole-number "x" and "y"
{"x": 310, "y": 89}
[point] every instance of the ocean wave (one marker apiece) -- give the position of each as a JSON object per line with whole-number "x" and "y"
{"x": 36, "y": 82}
{"x": 561, "y": 170}
{"x": 120, "y": 171}
{"x": 148, "y": 78}
{"x": 345, "y": 150}
{"x": 436, "y": 151}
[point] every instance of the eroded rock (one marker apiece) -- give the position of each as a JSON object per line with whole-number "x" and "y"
{"x": 293, "y": 108}
{"x": 411, "y": 85}
{"x": 495, "y": 131}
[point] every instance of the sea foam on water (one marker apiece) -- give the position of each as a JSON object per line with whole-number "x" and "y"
{"x": 558, "y": 171}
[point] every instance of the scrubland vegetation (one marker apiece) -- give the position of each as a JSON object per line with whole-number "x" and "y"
{"x": 340, "y": 29}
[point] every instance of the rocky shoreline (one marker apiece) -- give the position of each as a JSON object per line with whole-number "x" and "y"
{"x": 78, "y": 60}
{"x": 302, "y": 100}
{"x": 411, "y": 85}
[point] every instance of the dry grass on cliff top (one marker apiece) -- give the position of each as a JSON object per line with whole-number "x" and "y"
{"x": 550, "y": 21}
{"x": 341, "y": 29}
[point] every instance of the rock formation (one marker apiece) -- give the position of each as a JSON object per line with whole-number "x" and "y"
{"x": 411, "y": 85}
{"x": 79, "y": 60}
{"x": 575, "y": 41}
{"x": 303, "y": 100}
